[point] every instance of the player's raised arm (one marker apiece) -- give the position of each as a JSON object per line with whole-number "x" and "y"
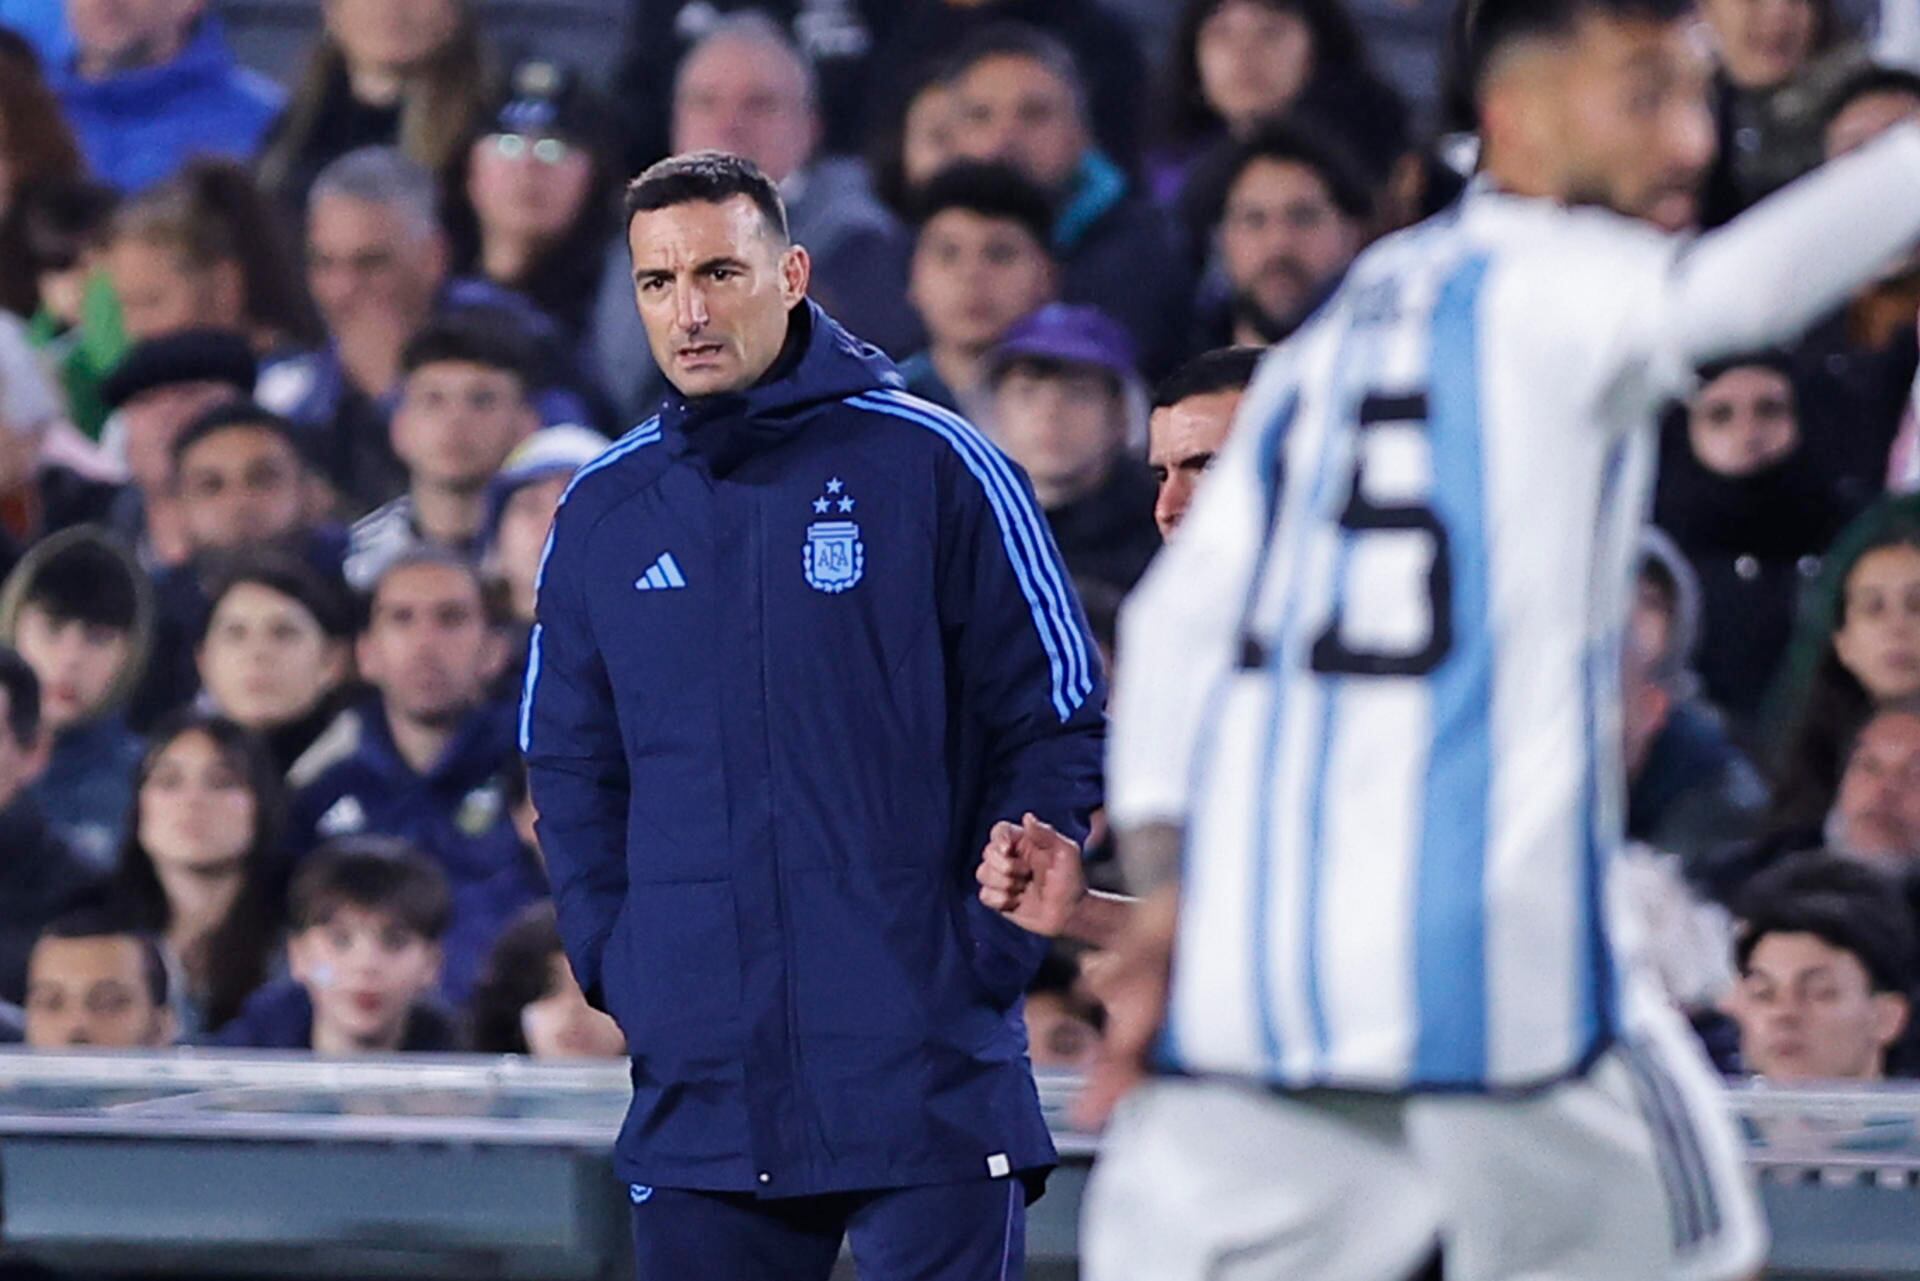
{"x": 1769, "y": 274}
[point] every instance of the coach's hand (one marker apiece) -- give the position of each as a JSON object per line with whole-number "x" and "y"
{"x": 1032, "y": 875}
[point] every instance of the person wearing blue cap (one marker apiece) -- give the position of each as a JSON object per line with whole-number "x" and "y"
{"x": 1069, "y": 407}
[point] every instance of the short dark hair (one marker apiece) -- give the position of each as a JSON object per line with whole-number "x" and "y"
{"x": 990, "y": 190}
{"x": 85, "y": 581}
{"x": 1012, "y": 39}
{"x": 287, "y": 576}
{"x": 707, "y": 177}
{"x": 1844, "y": 903}
{"x": 1222, "y": 369}
{"x": 104, "y": 919}
{"x": 23, "y": 696}
{"x": 1293, "y": 141}
{"x": 516, "y": 975}
{"x": 242, "y": 413}
{"x": 1870, "y": 79}
{"x": 473, "y": 337}
{"x": 1483, "y": 29}
{"x": 375, "y": 874}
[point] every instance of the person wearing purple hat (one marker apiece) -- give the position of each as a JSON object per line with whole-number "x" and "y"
{"x": 1068, "y": 406}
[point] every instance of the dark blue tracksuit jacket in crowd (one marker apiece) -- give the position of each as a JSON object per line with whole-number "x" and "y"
{"x": 798, "y": 649}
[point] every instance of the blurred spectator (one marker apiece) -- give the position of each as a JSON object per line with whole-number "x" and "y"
{"x": 981, "y": 261}
{"x": 522, "y": 501}
{"x": 81, "y": 613}
{"x": 275, "y": 653}
{"x": 40, "y": 878}
{"x": 1097, "y": 40}
{"x": 243, "y": 487}
{"x": 746, "y": 89}
{"x": 464, "y": 405}
{"x": 1022, "y": 101}
{"x": 377, "y": 263}
{"x": 36, "y": 147}
{"x": 203, "y": 250}
{"x": 1238, "y": 63}
{"x": 1063, "y": 1027}
{"x": 836, "y": 39}
{"x": 1857, "y": 366}
{"x": 152, "y": 83}
{"x": 54, "y": 241}
{"x": 1747, "y": 497}
{"x": 423, "y": 759}
{"x": 1876, "y": 816}
{"x": 97, "y": 981}
{"x": 412, "y": 76}
{"x": 35, "y": 438}
{"x": 368, "y": 917}
{"x": 1067, "y": 405}
{"x": 1773, "y": 71}
{"x": 1193, "y": 410}
{"x": 530, "y": 200}
{"x": 1407, "y": 41}
{"x": 1288, "y": 213}
{"x": 907, "y": 150}
{"x": 1689, "y": 789}
{"x": 528, "y": 1001}
{"x": 162, "y": 387}
{"x": 1826, "y": 960}
{"x": 1857, "y": 645}
{"x": 201, "y": 864}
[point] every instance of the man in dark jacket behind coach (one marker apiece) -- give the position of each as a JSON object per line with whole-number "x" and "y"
{"x": 802, "y": 640}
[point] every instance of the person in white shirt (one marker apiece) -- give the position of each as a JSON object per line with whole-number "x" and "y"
{"x": 1365, "y": 765}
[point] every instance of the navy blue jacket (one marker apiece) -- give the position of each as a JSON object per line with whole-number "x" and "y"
{"x": 353, "y": 780}
{"x": 797, "y": 650}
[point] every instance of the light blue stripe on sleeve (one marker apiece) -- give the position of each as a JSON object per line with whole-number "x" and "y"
{"x": 1067, "y": 693}
{"x": 1450, "y": 925}
{"x": 1034, "y": 534}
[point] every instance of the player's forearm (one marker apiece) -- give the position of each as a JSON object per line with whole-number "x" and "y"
{"x": 1767, "y": 276}
{"x": 1100, "y": 918}
{"x": 1150, "y": 857}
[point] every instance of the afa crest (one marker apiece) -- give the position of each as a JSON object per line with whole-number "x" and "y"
{"x": 833, "y": 558}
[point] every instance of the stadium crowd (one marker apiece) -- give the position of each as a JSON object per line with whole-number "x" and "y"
{"x": 292, "y": 381}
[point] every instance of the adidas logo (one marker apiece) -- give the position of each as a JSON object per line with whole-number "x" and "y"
{"x": 662, "y": 575}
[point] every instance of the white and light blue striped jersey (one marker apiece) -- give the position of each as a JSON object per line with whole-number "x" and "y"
{"x": 1374, "y": 675}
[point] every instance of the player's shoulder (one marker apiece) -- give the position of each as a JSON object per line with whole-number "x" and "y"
{"x": 920, "y": 430}
{"x": 1521, "y": 233}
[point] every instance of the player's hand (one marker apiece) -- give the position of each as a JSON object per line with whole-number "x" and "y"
{"x": 1131, "y": 981}
{"x": 1032, "y": 875}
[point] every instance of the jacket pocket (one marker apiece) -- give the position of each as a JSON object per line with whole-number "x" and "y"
{"x": 674, "y": 962}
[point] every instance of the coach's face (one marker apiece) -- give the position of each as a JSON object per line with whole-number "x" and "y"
{"x": 715, "y": 284}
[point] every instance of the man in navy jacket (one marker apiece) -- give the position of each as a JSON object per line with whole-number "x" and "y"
{"x": 802, "y": 640}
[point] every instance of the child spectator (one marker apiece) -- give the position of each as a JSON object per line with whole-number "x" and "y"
{"x": 981, "y": 260}
{"x": 97, "y": 981}
{"x": 465, "y": 403}
{"x": 368, "y": 916}
{"x": 201, "y": 866}
{"x": 529, "y": 1003}
{"x": 1826, "y": 959}
{"x": 81, "y": 613}
{"x": 275, "y": 652}
{"x": 40, "y": 878}
{"x": 425, "y": 758}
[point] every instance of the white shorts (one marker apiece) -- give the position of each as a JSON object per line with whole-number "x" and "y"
{"x": 1631, "y": 1173}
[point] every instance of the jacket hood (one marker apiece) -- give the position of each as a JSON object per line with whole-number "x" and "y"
{"x": 821, "y": 364}
{"x": 19, "y": 583}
